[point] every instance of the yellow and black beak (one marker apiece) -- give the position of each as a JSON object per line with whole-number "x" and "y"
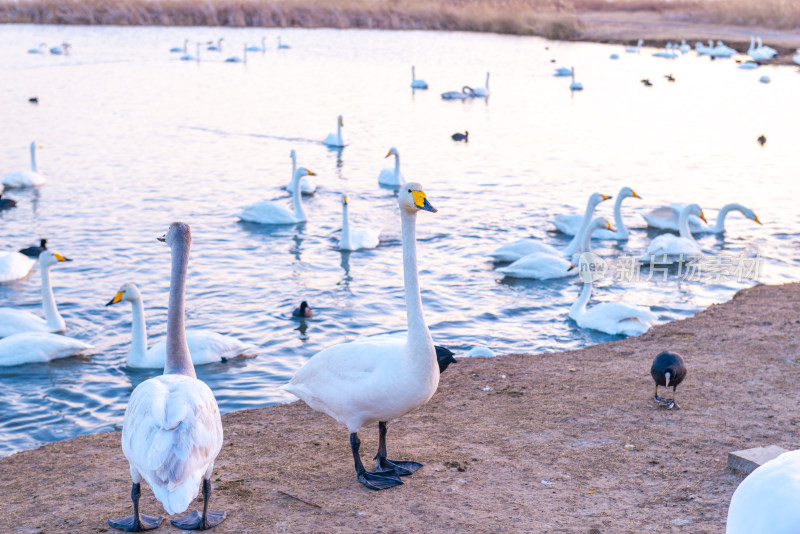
{"x": 635, "y": 195}
{"x": 117, "y": 298}
{"x": 163, "y": 238}
{"x": 311, "y": 173}
{"x": 421, "y": 202}
{"x": 610, "y": 227}
{"x": 341, "y": 122}
{"x": 755, "y": 218}
{"x": 389, "y": 154}
{"x": 605, "y": 197}
{"x": 344, "y": 199}
{"x": 59, "y": 257}
{"x": 703, "y": 217}
{"x": 571, "y": 266}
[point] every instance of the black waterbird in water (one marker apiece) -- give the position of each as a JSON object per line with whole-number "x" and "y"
{"x": 461, "y": 137}
{"x": 34, "y": 251}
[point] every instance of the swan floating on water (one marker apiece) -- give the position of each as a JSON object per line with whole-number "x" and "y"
{"x": 703, "y": 50}
{"x": 262, "y": 48}
{"x": 562, "y": 72}
{"x": 376, "y": 381}
{"x": 270, "y": 212}
{"x": 571, "y": 224}
{"x": 14, "y": 265}
{"x": 179, "y": 49}
{"x": 482, "y": 91}
{"x": 14, "y": 321}
{"x": 37, "y": 347}
{"x": 31, "y": 178}
{"x": 575, "y": 86}
{"x": 392, "y": 177}
{"x": 635, "y": 49}
{"x": 415, "y": 83}
{"x": 282, "y": 46}
{"x": 684, "y": 47}
{"x": 215, "y": 47}
{"x": 189, "y": 57}
{"x": 39, "y": 49}
{"x": 204, "y": 346}
{"x": 237, "y": 59}
{"x": 172, "y": 431}
{"x": 722, "y": 51}
{"x": 356, "y": 238}
{"x": 668, "y": 248}
{"x": 307, "y": 187}
{"x": 335, "y": 140}
{"x": 466, "y": 92}
{"x": 668, "y": 218}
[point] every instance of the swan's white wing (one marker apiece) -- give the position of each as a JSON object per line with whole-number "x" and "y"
{"x": 14, "y": 265}
{"x": 363, "y": 238}
{"x": 672, "y": 245}
{"x": 606, "y": 234}
{"x": 664, "y": 217}
{"x": 307, "y": 187}
{"x": 24, "y": 179}
{"x": 522, "y": 247}
{"x": 204, "y": 347}
{"x": 387, "y": 177}
{"x": 618, "y": 318}
{"x": 268, "y": 212}
{"x": 171, "y": 435}
{"x": 29, "y": 347}
{"x": 568, "y": 224}
{"x": 538, "y": 266}
{"x": 17, "y": 321}
{"x": 332, "y": 140}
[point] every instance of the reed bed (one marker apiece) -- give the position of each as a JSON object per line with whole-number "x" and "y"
{"x": 555, "y": 19}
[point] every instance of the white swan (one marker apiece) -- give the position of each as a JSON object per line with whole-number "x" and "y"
{"x": 542, "y": 266}
{"x": 621, "y": 233}
{"x": 282, "y": 46}
{"x": 355, "y": 238}
{"x": 522, "y": 247}
{"x": 722, "y": 51}
{"x": 562, "y": 72}
{"x": 204, "y": 346}
{"x": 635, "y": 49}
{"x": 35, "y": 347}
{"x": 684, "y": 47}
{"x": 482, "y": 91}
{"x": 237, "y": 59}
{"x": 31, "y": 178}
{"x": 262, "y": 48}
{"x": 270, "y": 212}
{"x": 13, "y": 321}
{"x": 766, "y": 51}
{"x": 189, "y": 57}
{"x": 668, "y": 217}
{"x": 335, "y": 140}
{"x": 215, "y": 47}
{"x": 703, "y": 50}
{"x": 392, "y": 176}
{"x": 307, "y": 187}
{"x": 667, "y": 52}
{"x": 573, "y": 223}
{"x": 172, "y": 431}
{"x": 178, "y": 49}
{"x": 766, "y": 501}
{"x": 39, "y": 49}
{"x": 376, "y": 381}
{"x": 415, "y": 83}
{"x": 466, "y": 92}
{"x": 669, "y": 247}
{"x": 610, "y": 317}
{"x": 575, "y": 86}
{"x": 14, "y": 266}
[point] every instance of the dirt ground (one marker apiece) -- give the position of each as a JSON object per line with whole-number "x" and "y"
{"x": 563, "y": 442}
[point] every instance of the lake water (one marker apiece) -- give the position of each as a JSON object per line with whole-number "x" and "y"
{"x": 133, "y": 139}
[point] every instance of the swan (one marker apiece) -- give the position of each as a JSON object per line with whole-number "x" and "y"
{"x": 764, "y": 79}
{"x": 262, "y": 48}
{"x": 392, "y": 177}
{"x": 178, "y": 49}
{"x": 14, "y": 265}
{"x": 189, "y": 57}
{"x": 522, "y": 247}
{"x": 36, "y": 347}
{"x": 34, "y": 251}
{"x": 667, "y": 52}
{"x": 31, "y": 178}
{"x": 38, "y": 50}
{"x": 575, "y": 86}
{"x": 307, "y": 187}
{"x": 6, "y": 203}
{"x": 375, "y": 381}
{"x": 172, "y": 431}
{"x": 573, "y": 224}
{"x": 748, "y": 65}
{"x": 542, "y": 266}
{"x": 669, "y": 247}
{"x": 766, "y": 501}
{"x": 415, "y": 83}
{"x": 61, "y": 50}
{"x": 13, "y": 321}
{"x": 482, "y": 91}
{"x": 703, "y": 50}
{"x": 215, "y": 47}
{"x": 796, "y": 57}
{"x": 766, "y": 51}
{"x": 237, "y": 59}
{"x": 356, "y": 238}
{"x": 667, "y": 218}
{"x": 635, "y": 49}
{"x": 269, "y": 212}
{"x": 282, "y": 46}
{"x": 466, "y": 92}
{"x": 684, "y": 47}
{"x": 204, "y": 346}
{"x": 722, "y": 51}
{"x": 562, "y": 72}
{"x": 616, "y": 318}
{"x": 621, "y": 233}
{"x": 335, "y": 140}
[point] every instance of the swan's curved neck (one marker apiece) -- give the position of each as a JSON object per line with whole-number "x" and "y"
{"x": 720, "y": 224}
{"x": 297, "y": 203}
{"x": 418, "y": 335}
{"x": 179, "y": 361}
{"x": 345, "y": 228}
{"x": 54, "y": 320}
{"x": 33, "y": 158}
{"x": 622, "y": 231}
{"x": 576, "y": 240}
{"x": 586, "y": 240}
{"x": 683, "y": 225}
{"x": 578, "y": 308}
{"x": 138, "y": 350}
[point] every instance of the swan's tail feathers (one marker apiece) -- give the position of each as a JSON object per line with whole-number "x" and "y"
{"x": 177, "y": 500}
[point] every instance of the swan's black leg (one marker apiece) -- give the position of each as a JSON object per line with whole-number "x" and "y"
{"x": 384, "y": 465}
{"x": 195, "y": 521}
{"x": 136, "y": 522}
{"x": 376, "y": 481}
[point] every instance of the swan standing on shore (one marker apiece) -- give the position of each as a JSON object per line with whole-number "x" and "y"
{"x": 307, "y": 187}
{"x": 335, "y": 140}
{"x": 482, "y": 91}
{"x": 14, "y": 321}
{"x": 204, "y": 346}
{"x": 375, "y": 381}
{"x": 14, "y": 265}
{"x": 270, "y": 212}
{"x": 667, "y": 218}
{"x": 669, "y": 247}
{"x": 392, "y": 177}
{"x": 355, "y": 238}
{"x": 415, "y": 83}
{"x": 31, "y": 178}
{"x": 172, "y": 431}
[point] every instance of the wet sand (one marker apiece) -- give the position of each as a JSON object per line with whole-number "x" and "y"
{"x": 563, "y": 442}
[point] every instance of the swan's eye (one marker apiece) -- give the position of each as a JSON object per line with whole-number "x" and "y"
{"x": 409, "y": 190}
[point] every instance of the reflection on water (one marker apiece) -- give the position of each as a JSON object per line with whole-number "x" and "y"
{"x": 134, "y": 138}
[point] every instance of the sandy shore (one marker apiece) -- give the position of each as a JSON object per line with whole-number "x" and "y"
{"x": 563, "y": 442}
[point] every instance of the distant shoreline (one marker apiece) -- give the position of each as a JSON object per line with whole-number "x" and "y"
{"x": 622, "y": 22}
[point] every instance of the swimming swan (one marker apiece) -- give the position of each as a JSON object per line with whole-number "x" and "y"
{"x": 669, "y": 247}
{"x": 356, "y": 238}
{"x": 575, "y": 86}
{"x": 466, "y": 92}
{"x": 172, "y": 431}
{"x": 375, "y": 381}
{"x": 766, "y": 501}
{"x": 307, "y": 187}
{"x": 189, "y": 57}
{"x": 270, "y": 212}
{"x": 573, "y": 223}
{"x": 635, "y": 49}
{"x": 335, "y": 140}
{"x": 392, "y": 177}
{"x": 204, "y": 346}
{"x": 13, "y": 321}
{"x": 14, "y": 265}
{"x": 36, "y": 347}
{"x": 621, "y": 234}
{"x": 482, "y": 91}
{"x": 415, "y": 83}
{"x": 178, "y": 49}
{"x": 282, "y": 46}
{"x": 31, "y": 178}
{"x": 667, "y": 217}
{"x": 262, "y": 48}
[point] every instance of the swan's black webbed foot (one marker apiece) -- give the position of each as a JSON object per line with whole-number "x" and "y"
{"x": 136, "y": 522}
{"x": 379, "y": 481}
{"x": 384, "y": 465}
{"x": 194, "y": 521}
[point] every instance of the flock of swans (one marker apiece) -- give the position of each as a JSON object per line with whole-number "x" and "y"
{"x": 217, "y": 47}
